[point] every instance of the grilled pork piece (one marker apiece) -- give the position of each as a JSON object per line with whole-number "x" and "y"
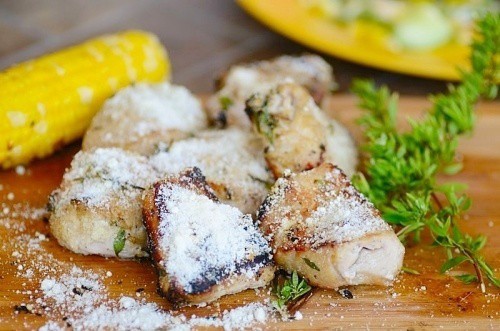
{"x": 293, "y": 137}
{"x": 145, "y": 117}
{"x": 98, "y": 207}
{"x": 226, "y": 106}
{"x": 320, "y": 226}
{"x": 202, "y": 248}
{"x": 232, "y": 161}
{"x": 296, "y": 133}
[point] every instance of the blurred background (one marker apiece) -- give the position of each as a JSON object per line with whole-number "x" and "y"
{"x": 203, "y": 37}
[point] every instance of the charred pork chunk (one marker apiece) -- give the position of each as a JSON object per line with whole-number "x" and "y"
{"x": 232, "y": 161}
{"x": 293, "y": 137}
{"x": 97, "y": 208}
{"x": 203, "y": 249}
{"x": 226, "y": 106}
{"x": 297, "y": 135}
{"x": 320, "y": 226}
{"x": 144, "y": 118}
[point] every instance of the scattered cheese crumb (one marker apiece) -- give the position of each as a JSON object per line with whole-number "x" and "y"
{"x": 20, "y": 170}
{"x": 298, "y": 315}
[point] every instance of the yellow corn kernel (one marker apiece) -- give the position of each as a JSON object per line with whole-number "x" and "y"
{"x": 48, "y": 102}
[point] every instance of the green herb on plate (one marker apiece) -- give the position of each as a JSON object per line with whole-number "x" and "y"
{"x": 401, "y": 167}
{"x": 119, "y": 242}
{"x": 265, "y": 124}
{"x": 225, "y": 102}
{"x": 289, "y": 292}
{"x": 311, "y": 264}
{"x": 410, "y": 271}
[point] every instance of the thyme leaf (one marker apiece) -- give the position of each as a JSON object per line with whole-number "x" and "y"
{"x": 310, "y": 264}
{"x": 268, "y": 184}
{"x": 225, "y": 102}
{"x": 265, "y": 123}
{"x": 288, "y": 292}
{"x": 119, "y": 242}
{"x": 410, "y": 271}
{"x": 401, "y": 167}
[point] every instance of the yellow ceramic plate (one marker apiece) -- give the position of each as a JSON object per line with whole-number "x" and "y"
{"x": 358, "y": 42}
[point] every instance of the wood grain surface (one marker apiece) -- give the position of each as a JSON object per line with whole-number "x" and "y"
{"x": 415, "y": 302}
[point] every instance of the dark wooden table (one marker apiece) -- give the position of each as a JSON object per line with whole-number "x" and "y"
{"x": 203, "y": 37}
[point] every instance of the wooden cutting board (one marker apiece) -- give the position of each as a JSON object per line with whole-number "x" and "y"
{"x": 425, "y": 301}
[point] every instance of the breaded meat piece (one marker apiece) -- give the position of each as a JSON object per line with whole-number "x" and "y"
{"x": 297, "y": 134}
{"x": 293, "y": 137}
{"x": 232, "y": 161}
{"x": 98, "y": 207}
{"x": 145, "y": 117}
{"x": 226, "y": 106}
{"x": 203, "y": 249}
{"x": 320, "y": 226}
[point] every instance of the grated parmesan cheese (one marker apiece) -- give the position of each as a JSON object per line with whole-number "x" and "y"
{"x": 231, "y": 159}
{"x": 340, "y": 213}
{"x": 99, "y": 198}
{"x": 93, "y": 310}
{"x": 105, "y": 175}
{"x": 203, "y": 240}
{"x": 137, "y": 111}
{"x": 54, "y": 283}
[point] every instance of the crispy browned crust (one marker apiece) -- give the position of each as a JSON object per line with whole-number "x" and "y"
{"x": 229, "y": 285}
{"x": 300, "y": 194}
{"x": 193, "y": 179}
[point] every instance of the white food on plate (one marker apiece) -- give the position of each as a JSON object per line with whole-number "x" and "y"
{"x": 293, "y": 137}
{"x": 341, "y": 149}
{"x": 101, "y": 197}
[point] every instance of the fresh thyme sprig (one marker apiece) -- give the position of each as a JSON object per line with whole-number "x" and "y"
{"x": 287, "y": 293}
{"x": 401, "y": 167}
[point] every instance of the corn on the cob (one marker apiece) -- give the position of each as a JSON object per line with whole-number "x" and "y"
{"x": 48, "y": 102}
